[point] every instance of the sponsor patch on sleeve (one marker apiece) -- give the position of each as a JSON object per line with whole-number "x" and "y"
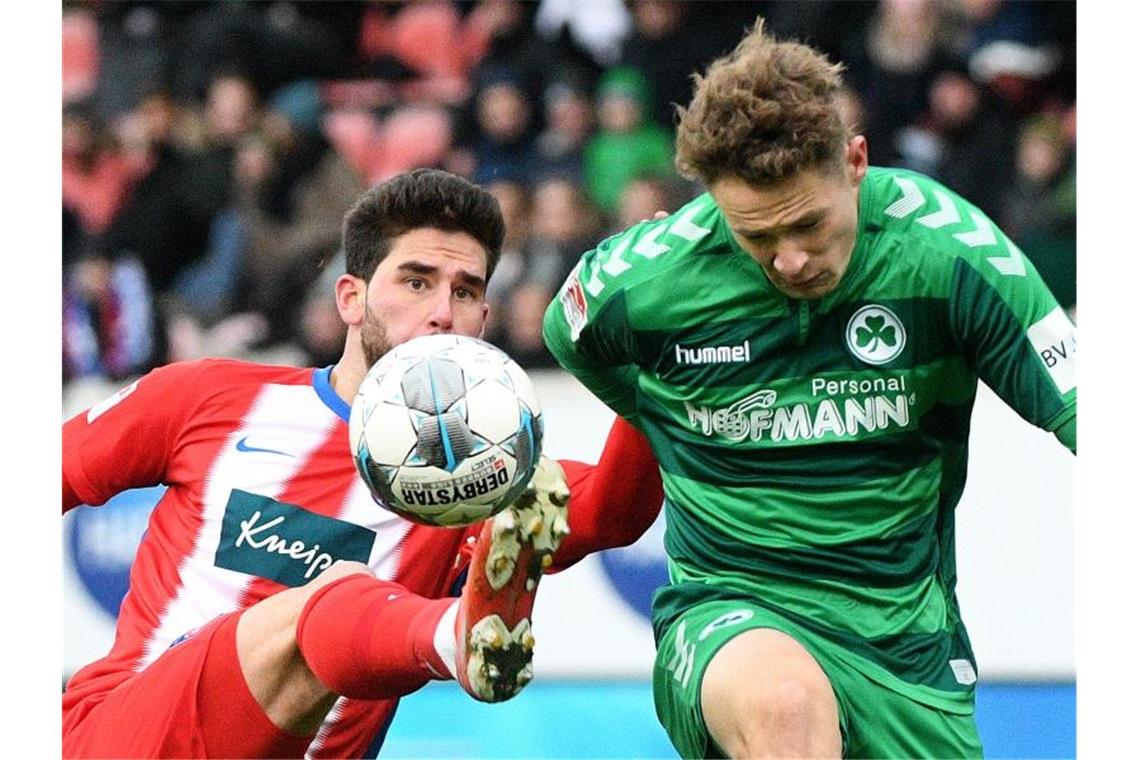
{"x": 573, "y": 300}
{"x": 1054, "y": 338}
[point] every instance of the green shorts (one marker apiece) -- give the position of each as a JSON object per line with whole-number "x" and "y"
{"x": 875, "y": 721}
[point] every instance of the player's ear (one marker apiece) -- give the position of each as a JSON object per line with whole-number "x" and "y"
{"x": 483, "y": 327}
{"x": 856, "y": 159}
{"x": 351, "y": 293}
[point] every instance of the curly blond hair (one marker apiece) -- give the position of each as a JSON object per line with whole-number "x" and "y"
{"x": 765, "y": 111}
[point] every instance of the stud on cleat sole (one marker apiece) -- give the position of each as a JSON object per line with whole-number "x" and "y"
{"x": 499, "y": 661}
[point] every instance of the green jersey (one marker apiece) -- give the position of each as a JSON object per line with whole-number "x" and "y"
{"x": 813, "y": 451}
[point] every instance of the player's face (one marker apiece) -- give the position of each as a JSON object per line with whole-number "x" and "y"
{"x": 801, "y": 230}
{"x": 431, "y": 281}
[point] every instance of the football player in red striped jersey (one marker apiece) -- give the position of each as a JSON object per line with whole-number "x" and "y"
{"x": 274, "y": 609}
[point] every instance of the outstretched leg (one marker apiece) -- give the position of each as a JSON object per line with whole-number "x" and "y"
{"x": 494, "y": 612}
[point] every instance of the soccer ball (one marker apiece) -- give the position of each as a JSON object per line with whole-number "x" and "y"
{"x": 445, "y": 430}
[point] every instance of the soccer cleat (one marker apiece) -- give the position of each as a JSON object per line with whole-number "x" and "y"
{"x": 495, "y": 643}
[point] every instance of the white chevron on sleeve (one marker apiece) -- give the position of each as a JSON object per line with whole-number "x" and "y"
{"x": 648, "y": 245}
{"x": 684, "y": 227}
{"x": 594, "y": 284}
{"x": 982, "y": 234}
{"x": 911, "y": 200}
{"x": 947, "y": 212}
{"x": 615, "y": 265}
{"x": 1013, "y": 264}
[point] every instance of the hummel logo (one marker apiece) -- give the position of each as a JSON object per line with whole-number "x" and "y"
{"x": 243, "y": 446}
{"x": 713, "y": 354}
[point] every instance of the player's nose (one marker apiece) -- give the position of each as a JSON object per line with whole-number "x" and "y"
{"x": 789, "y": 261}
{"x": 442, "y": 311}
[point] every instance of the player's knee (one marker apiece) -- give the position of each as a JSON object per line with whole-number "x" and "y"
{"x": 782, "y": 715}
{"x": 340, "y": 569}
{"x": 788, "y": 705}
{"x": 285, "y": 608}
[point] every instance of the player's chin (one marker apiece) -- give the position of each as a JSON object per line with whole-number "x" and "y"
{"x": 816, "y": 287}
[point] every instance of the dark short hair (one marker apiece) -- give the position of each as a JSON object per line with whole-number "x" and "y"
{"x": 422, "y": 198}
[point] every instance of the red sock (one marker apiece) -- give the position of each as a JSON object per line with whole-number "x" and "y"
{"x": 371, "y": 639}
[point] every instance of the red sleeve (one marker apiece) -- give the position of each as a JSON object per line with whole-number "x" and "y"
{"x": 125, "y": 440}
{"x": 614, "y": 502}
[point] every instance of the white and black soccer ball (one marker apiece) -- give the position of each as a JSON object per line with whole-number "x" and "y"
{"x": 446, "y": 430}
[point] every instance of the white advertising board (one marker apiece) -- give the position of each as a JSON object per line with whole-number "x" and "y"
{"x": 1014, "y": 554}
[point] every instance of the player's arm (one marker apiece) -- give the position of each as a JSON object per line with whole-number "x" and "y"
{"x": 125, "y": 440}
{"x": 613, "y": 502}
{"x": 586, "y": 331}
{"x": 1019, "y": 340}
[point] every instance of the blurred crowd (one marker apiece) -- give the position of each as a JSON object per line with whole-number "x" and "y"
{"x": 210, "y": 149}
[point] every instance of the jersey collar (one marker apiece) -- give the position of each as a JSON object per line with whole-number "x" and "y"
{"x": 322, "y": 384}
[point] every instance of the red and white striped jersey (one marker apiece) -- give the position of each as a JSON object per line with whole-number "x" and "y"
{"x": 262, "y": 495}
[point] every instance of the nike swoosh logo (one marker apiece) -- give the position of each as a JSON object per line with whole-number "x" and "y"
{"x": 243, "y": 446}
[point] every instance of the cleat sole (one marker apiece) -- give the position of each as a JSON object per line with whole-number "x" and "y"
{"x": 499, "y": 661}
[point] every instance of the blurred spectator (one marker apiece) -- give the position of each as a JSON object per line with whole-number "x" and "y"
{"x": 173, "y": 168}
{"x": 672, "y": 40}
{"x": 523, "y": 341}
{"x": 426, "y": 49}
{"x": 110, "y": 326}
{"x": 644, "y": 196}
{"x": 599, "y": 26}
{"x": 97, "y": 177}
{"x": 1039, "y": 210}
{"x": 973, "y": 24}
{"x": 504, "y": 148}
{"x": 171, "y": 218}
{"x": 564, "y": 226}
{"x": 273, "y": 43}
{"x": 378, "y": 149}
{"x": 322, "y": 331}
{"x": 514, "y": 202}
{"x": 837, "y": 27}
{"x": 513, "y": 43}
{"x": 74, "y": 240}
{"x": 232, "y": 107}
{"x": 893, "y": 70}
{"x": 964, "y": 139}
{"x": 1017, "y": 49}
{"x": 135, "y": 50}
{"x": 665, "y": 52}
{"x": 156, "y": 224}
{"x": 569, "y": 124}
{"x": 628, "y": 143}
{"x": 293, "y": 190}
{"x": 80, "y": 54}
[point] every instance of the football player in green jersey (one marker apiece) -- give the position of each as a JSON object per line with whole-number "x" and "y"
{"x": 802, "y": 346}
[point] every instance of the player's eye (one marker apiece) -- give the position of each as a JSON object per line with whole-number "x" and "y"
{"x": 416, "y": 283}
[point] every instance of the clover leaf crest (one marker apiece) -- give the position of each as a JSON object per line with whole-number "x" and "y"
{"x": 873, "y": 330}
